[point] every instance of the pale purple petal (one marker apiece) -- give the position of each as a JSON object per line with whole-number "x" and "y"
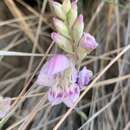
{"x": 71, "y": 95}
{"x": 55, "y": 96}
{"x": 56, "y": 64}
{"x": 84, "y": 77}
{"x": 44, "y": 79}
{"x": 88, "y": 41}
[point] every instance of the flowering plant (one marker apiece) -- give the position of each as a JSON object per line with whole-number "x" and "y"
{"x": 61, "y": 73}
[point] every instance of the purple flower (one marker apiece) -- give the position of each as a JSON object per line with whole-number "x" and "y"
{"x": 60, "y": 75}
{"x": 84, "y": 77}
{"x": 88, "y": 41}
{"x": 5, "y": 106}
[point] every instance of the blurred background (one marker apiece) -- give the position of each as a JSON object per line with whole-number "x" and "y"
{"x": 25, "y": 27}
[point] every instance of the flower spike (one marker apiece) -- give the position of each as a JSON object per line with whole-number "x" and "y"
{"x": 62, "y": 73}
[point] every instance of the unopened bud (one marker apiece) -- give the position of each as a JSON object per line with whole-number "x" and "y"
{"x": 58, "y": 10}
{"x": 66, "y": 6}
{"x": 77, "y": 29}
{"x": 62, "y": 42}
{"x": 61, "y": 27}
{"x": 72, "y": 14}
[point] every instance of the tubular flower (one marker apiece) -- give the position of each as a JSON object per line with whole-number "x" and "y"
{"x": 63, "y": 87}
{"x": 5, "y": 106}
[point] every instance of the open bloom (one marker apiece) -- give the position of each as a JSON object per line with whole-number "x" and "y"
{"x": 5, "y": 105}
{"x": 60, "y": 75}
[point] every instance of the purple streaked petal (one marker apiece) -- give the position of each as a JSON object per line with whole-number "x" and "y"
{"x": 71, "y": 95}
{"x": 84, "y": 77}
{"x": 55, "y": 96}
{"x": 56, "y": 64}
{"x": 88, "y": 41}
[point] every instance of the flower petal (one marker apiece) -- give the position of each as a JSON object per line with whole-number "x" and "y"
{"x": 71, "y": 95}
{"x": 56, "y": 64}
{"x": 55, "y": 96}
{"x": 84, "y": 77}
{"x": 44, "y": 79}
{"x": 88, "y": 41}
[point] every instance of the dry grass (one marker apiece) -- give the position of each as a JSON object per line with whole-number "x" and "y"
{"x": 25, "y": 45}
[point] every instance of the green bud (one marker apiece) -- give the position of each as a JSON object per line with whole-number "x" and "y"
{"x": 77, "y": 29}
